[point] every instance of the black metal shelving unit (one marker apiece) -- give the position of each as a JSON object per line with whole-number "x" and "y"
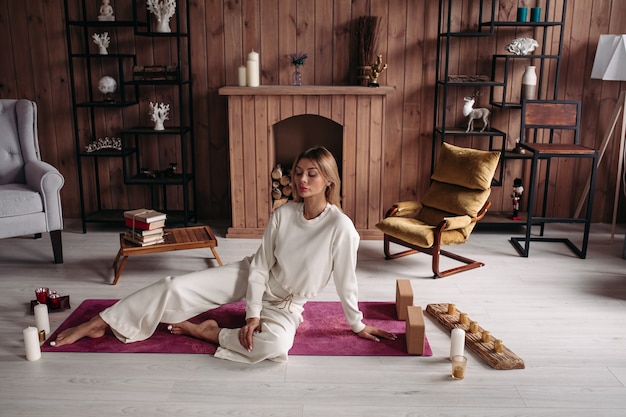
{"x": 136, "y": 23}
{"x": 498, "y": 81}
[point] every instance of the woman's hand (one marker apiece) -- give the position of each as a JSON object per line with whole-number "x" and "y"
{"x": 246, "y": 333}
{"x": 374, "y": 333}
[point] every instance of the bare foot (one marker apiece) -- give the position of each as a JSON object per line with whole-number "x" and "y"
{"x": 94, "y": 328}
{"x": 208, "y": 330}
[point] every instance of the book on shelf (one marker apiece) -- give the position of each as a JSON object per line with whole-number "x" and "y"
{"x": 145, "y": 215}
{"x": 136, "y": 224}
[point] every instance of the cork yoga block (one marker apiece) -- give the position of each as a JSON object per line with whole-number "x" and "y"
{"x": 404, "y": 297}
{"x": 415, "y": 330}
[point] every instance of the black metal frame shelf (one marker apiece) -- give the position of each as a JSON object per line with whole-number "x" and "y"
{"x": 132, "y": 23}
{"x": 108, "y": 153}
{"x": 176, "y": 179}
{"x": 499, "y": 81}
{"x": 91, "y": 104}
{"x": 107, "y": 23}
{"x": 149, "y": 130}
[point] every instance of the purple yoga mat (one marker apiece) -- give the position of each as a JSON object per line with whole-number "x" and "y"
{"x": 324, "y": 332}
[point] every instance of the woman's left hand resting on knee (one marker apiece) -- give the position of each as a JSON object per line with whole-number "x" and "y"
{"x": 374, "y": 333}
{"x": 253, "y": 325}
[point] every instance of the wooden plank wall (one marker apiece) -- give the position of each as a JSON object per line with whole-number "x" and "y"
{"x": 34, "y": 65}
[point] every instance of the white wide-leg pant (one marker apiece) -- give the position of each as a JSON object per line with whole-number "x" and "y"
{"x": 176, "y": 299}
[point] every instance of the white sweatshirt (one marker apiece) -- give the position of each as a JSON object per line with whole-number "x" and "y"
{"x": 301, "y": 255}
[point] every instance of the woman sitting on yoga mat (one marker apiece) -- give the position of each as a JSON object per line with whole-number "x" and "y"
{"x": 306, "y": 242}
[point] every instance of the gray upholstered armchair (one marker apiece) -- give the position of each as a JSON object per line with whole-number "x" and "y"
{"x": 30, "y": 201}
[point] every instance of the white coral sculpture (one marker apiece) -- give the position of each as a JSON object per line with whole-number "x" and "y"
{"x": 159, "y": 113}
{"x": 102, "y": 40}
{"x": 522, "y": 46}
{"x": 163, "y": 10}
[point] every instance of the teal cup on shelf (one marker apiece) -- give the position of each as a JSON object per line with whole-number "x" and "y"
{"x": 522, "y": 14}
{"x": 535, "y": 14}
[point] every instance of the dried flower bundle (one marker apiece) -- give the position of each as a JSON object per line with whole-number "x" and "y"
{"x": 367, "y": 33}
{"x": 297, "y": 59}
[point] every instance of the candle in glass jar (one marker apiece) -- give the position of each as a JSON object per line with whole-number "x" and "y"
{"x": 486, "y": 337}
{"x": 42, "y": 294}
{"x": 451, "y": 309}
{"x": 55, "y": 300}
{"x": 31, "y": 344}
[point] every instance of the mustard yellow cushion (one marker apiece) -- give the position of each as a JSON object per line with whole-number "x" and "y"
{"x": 455, "y": 199}
{"x": 420, "y": 234}
{"x": 432, "y": 216}
{"x": 471, "y": 168}
{"x": 409, "y": 230}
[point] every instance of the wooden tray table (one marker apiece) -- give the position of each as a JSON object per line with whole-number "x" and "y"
{"x": 175, "y": 239}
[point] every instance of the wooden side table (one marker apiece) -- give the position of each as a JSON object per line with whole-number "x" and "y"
{"x": 175, "y": 239}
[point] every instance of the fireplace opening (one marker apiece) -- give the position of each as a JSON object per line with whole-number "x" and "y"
{"x": 298, "y": 133}
{"x": 292, "y": 136}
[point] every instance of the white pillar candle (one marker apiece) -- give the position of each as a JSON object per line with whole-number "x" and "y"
{"x": 253, "y": 56}
{"x": 253, "y": 75}
{"x": 457, "y": 342}
{"x": 241, "y": 76}
{"x": 31, "y": 344}
{"x": 41, "y": 318}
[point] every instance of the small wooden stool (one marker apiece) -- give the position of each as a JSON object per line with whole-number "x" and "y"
{"x": 175, "y": 239}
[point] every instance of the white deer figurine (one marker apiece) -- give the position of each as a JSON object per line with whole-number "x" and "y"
{"x": 473, "y": 114}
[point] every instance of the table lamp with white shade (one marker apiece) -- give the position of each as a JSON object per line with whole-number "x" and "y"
{"x": 610, "y": 65}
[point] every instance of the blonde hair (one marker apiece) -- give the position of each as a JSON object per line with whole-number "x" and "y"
{"x": 327, "y": 166}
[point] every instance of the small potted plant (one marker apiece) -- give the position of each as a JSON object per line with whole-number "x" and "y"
{"x": 297, "y": 60}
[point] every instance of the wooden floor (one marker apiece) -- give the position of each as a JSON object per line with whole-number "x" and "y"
{"x": 565, "y": 317}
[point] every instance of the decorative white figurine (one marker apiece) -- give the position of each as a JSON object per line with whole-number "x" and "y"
{"x": 163, "y": 10}
{"x": 159, "y": 113}
{"x": 107, "y": 86}
{"x": 522, "y": 46}
{"x": 472, "y": 113}
{"x": 106, "y": 11}
{"x": 102, "y": 40}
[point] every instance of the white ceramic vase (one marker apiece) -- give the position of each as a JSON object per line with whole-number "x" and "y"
{"x": 529, "y": 83}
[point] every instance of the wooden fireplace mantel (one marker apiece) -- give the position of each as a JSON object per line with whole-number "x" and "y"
{"x": 252, "y": 113}
{"x": 305, "y": 90}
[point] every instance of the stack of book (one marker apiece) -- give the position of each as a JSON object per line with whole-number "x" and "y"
{"x": 145, "y": 226}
